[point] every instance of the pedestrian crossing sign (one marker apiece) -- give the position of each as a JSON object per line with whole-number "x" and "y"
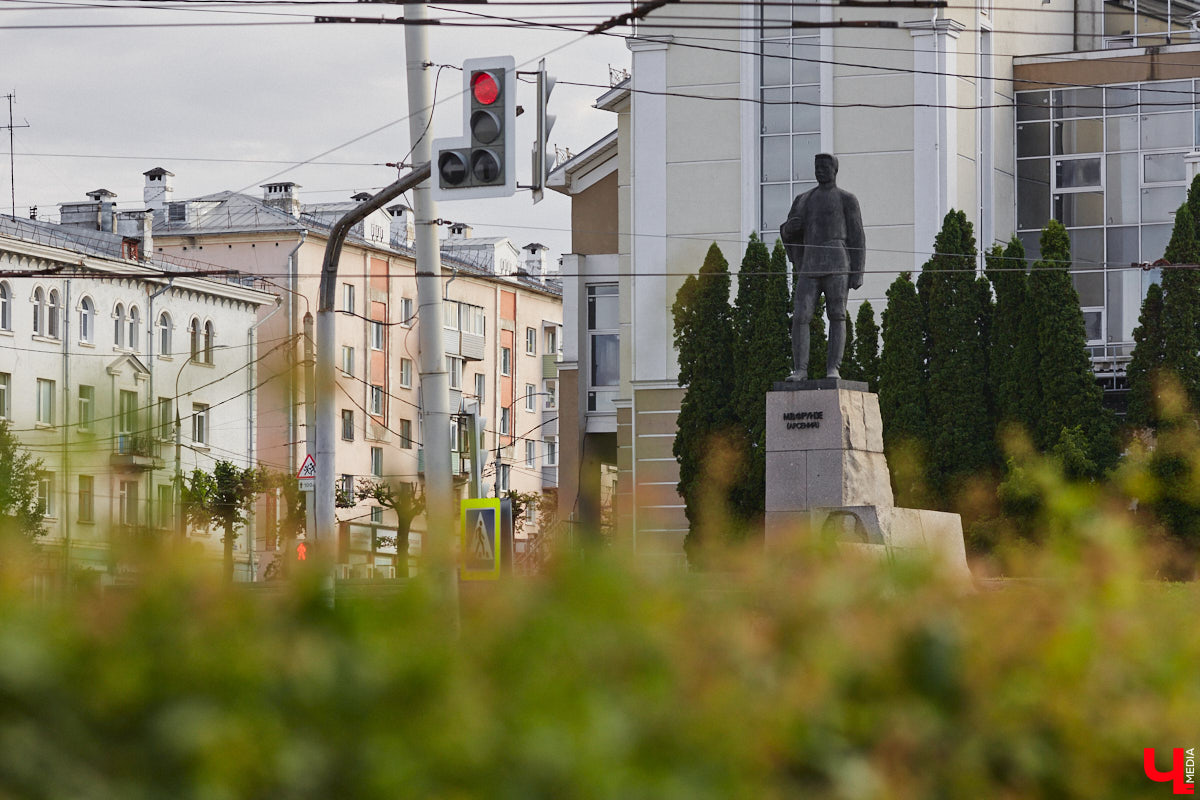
{"x": 480, "y": 551}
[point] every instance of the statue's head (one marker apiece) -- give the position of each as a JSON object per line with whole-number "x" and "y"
{"x": 825, "y": 167}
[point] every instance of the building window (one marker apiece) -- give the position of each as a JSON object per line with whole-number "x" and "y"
{"x": 194, "y": 339}
{"x": 550, "y": 394}
{"x": 471, "y": 319}
{"x": 87, "y": 320}
{"x": 164, "y": 334}
{"x": 347, "y": 359}
{"x": 406, "y": 366}
{"x": 87, "y": 407}
{"x": 502, "y": 476}
{"x": 450, "y": 315}
{"x": 530, "y": 453}
{"x": 166, "y": 417}
{"x": 377, "y": 514}
{"x": 52, "y": 315}
{"x": 505, "y": 361}
{"x": 551, "y": 451}
{"x": 119, "y": 325}
{"x": 530, "y": 396}
{"x": 376, "y": 335}
{"x": 348, "y": 424}
{"x": 406, "y": 312}
{"x": 347, "y": 486}
{"x": 5, "y": 306}
{"x": 209, "y": 343}
{"x": 454, "y": 367}
{"x": 45, "y": 402}
{"x": 377, "y": 462}
{"x": 790, "y": 128}
{"x": 505, "y": 420}
{"x": 481, "y": 388}
{"x": 128, "y": 503}
{"x": 406, "y": 440}
{"x": 127, "y": 418}
{"x": 348, "y": 297}
{"x": 39, "y": 310}
{"x": 530, "y": 342}
{"x": 166, "y": 507}
{"x": 134, "y": 324}
{"x": 46, "y": 493}
{"x": 551, "y": 339}
{"x": 87, "y": 498}
{"x": 377, "y": 400}
{"x": 604, "y": 368}
{"x": 199, "y": 423}
{"x": 5, "y": 395}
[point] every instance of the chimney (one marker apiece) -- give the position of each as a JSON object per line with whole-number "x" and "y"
{"x": 535, "y": 259}
{"x": 139, "y": 225}
{"x": 402, "y": 232}
{"x": 159, "y": 188}
{"x": 282, "y": 196}
{"x": 460, "y": 230}
{"x": 33, "y": 212}
{"x": 361, "y": 197}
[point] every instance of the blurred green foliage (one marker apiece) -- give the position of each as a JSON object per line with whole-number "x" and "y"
{"x": 808, "y": 674}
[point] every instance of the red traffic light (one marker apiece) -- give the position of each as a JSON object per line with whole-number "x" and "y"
{"x": 485, "y": 87}
{"x": 301, "y": 552}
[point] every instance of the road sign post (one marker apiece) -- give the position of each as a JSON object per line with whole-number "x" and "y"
{"x": 307, "y": 476}
{"x": 481, "y": 548}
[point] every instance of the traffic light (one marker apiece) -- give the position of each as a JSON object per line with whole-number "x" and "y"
{"x": 481, "y": 163}
{"x": 543, "y": 154}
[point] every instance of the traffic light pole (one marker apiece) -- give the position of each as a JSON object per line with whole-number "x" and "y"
{"x": 324, "y": 529}
{"x": 437, "y": 544}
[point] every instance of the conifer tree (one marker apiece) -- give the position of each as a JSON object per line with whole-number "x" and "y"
{"x": 960, "y": 425}
{"x": 866, "y": 346}
{"x": 902, "y": 366}
{"x": 762, "y": 355}
{"x": 1012, "y": 344}
{"x": 1069, "y": 394}
{"x": 704, "y": 340}
{"x": 1181, "y": 307}
{"x": 818, "y": 347}
{"x": 1147, "y": 360}
{"x": 849, "y": 369}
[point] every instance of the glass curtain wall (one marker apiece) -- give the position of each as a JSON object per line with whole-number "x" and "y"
{"x": 1108, "y": 163}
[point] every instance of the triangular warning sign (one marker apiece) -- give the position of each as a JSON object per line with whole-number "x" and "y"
{"x": 481, "y": 542}
{"x": 309, "y": 468}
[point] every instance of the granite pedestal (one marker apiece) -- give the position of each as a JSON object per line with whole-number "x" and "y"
{"x": 826, "y": 472}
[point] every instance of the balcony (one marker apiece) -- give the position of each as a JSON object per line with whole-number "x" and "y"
{"x": 135, "y": 453}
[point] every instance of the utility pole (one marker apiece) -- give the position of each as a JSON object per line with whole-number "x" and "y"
{"x": 435, "y": 383}
{"x": 12, "y": 180}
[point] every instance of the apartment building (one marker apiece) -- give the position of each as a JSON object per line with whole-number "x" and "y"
{"x": 104, "y": 350}
{"x": 501, "y": 332}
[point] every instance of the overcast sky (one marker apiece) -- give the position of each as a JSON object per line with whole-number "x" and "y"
{"x": 105, "y": 105}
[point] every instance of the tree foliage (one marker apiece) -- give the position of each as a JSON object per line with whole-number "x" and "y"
{"x": 703, "y": 335}
{"x": 1012, "y": 344}
{"x": 1145, "y": 366}
{"x": 21, "y": 514}
{"x": 961, "y": 429}
{"x": 1181, "y": 306}
{"x": 902, "y": 401}
{"x": 866, "y": 346}
{"x": 222, "y": 497}
{"x": 404, "y": 500}
{"x": 818, "y": 343}
{"x": 762, "y": 356}
{"x": 1069, "y": 395}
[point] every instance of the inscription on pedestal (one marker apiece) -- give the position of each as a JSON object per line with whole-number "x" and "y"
{"x": 803, "y": 420}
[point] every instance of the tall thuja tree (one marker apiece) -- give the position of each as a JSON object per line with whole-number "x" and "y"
{"x": 1181, "y": 306}
{"x": 866, "y": 346}
{"x": 1012, "y": 343}
{"x": 1071, "y": 411}
{"x": 818, "y": 348}
{"x": 704, "y": 341}
{"x": 902, "y": 381}
{"x": 762, "y": 355}
{"x": 849, "y": 367}
{"x": 960, "y": 425}
{"x": 1146, "y": 363}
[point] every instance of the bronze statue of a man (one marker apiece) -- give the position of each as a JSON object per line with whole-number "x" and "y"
{"x": 824, "y": 239}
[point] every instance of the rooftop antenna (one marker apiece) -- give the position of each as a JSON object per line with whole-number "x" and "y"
{"x": 12, "y": 182}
